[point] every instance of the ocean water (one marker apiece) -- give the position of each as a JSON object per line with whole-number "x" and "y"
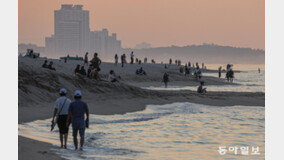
{"x": 248, "y": 81}
{"x": 165, "y": 132}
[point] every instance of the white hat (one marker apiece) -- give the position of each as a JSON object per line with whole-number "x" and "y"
{"x": 63, "y": 90}
{"x": 78, "y": 93}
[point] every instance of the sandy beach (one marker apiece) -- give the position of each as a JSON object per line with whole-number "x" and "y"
{"x": 38, "y": 89}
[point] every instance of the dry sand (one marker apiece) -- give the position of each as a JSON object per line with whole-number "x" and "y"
{"x": 38, "y": 89}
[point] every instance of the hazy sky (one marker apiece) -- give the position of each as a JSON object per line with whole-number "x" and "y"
{"x": 159, "y": 22}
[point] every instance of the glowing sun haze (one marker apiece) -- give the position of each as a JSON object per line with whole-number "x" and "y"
{"x": 159, "y": 22}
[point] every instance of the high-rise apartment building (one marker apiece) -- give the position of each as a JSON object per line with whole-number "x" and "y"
{"x": 72, "y": 34}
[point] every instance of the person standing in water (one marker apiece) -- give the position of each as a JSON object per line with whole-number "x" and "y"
{"x": 76, "y": 114}
{"x": 61, "y": 107}
{"x": 258, "y": 70}
{"x": 220, "y": 71}
{"x": 166, "y": 79}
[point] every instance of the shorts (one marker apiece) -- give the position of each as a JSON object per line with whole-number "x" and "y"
{"x": 81, "y": 128}
{"x": 61, "y": 122}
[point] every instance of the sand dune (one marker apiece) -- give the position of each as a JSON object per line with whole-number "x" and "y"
{"x": 38, "y": 88}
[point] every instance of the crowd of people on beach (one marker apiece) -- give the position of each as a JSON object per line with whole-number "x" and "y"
{"x": 94, "y": 68}
{"x": 188, "y": 69}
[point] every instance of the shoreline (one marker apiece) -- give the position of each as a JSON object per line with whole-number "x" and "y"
{"x": 103, "y": 105}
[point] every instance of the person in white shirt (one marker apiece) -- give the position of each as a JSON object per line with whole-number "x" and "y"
{"x": 61, "y": 108}
{"x": 111, "y": 77}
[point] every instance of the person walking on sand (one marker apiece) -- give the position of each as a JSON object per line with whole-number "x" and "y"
{"x": 61, "y": 107}
{"x": 115, "y": 59}
{"x": 76, "y": 114}
{"x": 86, "y": 58}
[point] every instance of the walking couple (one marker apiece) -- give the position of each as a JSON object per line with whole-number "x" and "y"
{"x": 67, "y": 112}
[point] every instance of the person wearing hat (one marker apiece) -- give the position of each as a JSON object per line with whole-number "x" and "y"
{"x": 61, "y": 108}
{"x": 77, "y": 111}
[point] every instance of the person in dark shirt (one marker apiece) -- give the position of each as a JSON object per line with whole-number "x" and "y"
{"x": 86, "y": 58}
{"x": 50, "y": 66}
{"x": 166, "y": 79}
{"x": 76, "y": 116}
{"x": 140, "y": 71}
{"x": 200, "y": 89}
{"x": 89, "y": 71}
{"x": 115, "y": 59}
{"x": 77, "y": 70}
{"x": 96, "y": 61}
{"x": 45, "y": 64}
{"x": 83, "y": 71}
{"x": 219, "y": 72}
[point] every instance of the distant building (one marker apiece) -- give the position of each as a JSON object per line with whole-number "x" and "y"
{"x": 143, "y": 45}
{"x": 72, "y": 34}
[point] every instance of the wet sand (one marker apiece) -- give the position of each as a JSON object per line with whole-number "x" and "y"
{"x": 38, "y": 89}
{"x": 29, "y": 149}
